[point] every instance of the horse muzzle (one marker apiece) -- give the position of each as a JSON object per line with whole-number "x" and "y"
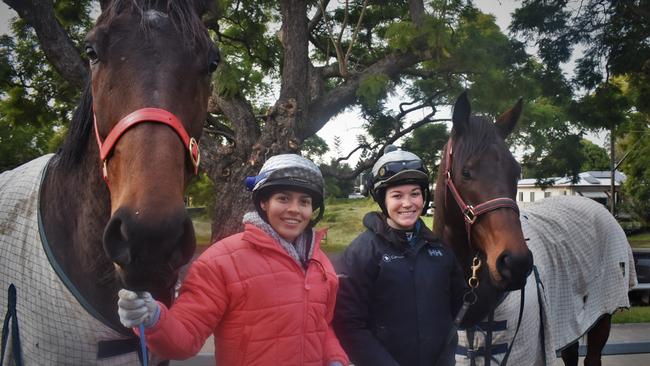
{"x": 147, "y": 250}
{"x": 513, "y": 270}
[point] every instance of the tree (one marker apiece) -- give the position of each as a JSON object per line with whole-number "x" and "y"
{"x": 36, "y": 98}
{"x": 595, "y": 157}
{"x": 427, "y": 143}
{"x": 614, "y": 36}
{"x": 290, "y": 66}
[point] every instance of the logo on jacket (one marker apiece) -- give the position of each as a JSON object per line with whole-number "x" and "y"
{"x": 391, "y": 257}
{"x": 435, "y": 252}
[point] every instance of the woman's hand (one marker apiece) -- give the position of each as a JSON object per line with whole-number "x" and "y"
{"x": 137, "y": 308}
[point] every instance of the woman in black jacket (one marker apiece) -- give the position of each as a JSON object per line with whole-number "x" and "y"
{"x": 399, "y": 286}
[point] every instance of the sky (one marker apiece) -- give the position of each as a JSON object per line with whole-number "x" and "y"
{"x": 347, "y": 125}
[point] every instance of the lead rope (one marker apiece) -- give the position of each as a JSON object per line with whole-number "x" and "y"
{"x": 469, "y": 299}
{"x": 143, "y": 346}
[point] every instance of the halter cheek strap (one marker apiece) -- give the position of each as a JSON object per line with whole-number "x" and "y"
{"x": 155, "y": 115}
{"x": 470, "y": 212}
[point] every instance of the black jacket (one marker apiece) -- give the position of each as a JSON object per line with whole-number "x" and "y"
{"x": 396, "y": 302}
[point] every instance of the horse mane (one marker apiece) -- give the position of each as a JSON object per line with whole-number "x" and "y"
{"x": 181, "y": 12}
{"x": 75, "y": 144}
{"x": 477, "y": 136}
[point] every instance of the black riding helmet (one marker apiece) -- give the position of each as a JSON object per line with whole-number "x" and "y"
{"x": 397, "y": 167}
{"x": 291, "y": 172}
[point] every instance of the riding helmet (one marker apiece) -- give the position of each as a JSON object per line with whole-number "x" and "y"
{"x": 291, "y": 172}
{"x": 397, "y": 167}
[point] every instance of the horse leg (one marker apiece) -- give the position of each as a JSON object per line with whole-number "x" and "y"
{"x": 570, "y": 354}
{"x": 596, "y": 339}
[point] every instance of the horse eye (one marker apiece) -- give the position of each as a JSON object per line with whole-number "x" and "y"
{"x": 465, "y": 173}
{"x": 213, "y": 66}
{"x": 91, "y": 54}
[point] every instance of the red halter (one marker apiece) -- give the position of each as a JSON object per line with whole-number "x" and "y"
{"x": 155, "y": 115}
{"x": 470, "y": 212}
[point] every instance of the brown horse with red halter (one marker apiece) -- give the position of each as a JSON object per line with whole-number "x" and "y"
{"x": 112, "y": 206}
{"x": 477, "y": 215}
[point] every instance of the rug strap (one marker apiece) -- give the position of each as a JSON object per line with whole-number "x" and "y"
{"x": 540, "y": 288}
{"x": 12, "y": 317}
{"x": 521, "y": 312}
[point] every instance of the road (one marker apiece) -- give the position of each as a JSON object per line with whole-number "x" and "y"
{"x": 621, "y": 334}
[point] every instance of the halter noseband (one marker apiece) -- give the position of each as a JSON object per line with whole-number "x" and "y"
{"x": 472, "y": 212}
{"x": 155, "y": 115}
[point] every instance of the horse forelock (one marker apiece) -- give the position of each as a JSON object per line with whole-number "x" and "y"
{"x": 181, "y": 13}
{"x": 478, "y": 135}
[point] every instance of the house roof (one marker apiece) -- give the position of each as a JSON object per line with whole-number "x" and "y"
{"x": 585, "y": 179}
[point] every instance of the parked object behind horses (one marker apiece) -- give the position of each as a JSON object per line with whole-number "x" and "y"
{"x": 582, "y": 262}
{"x": 107, "y": 211}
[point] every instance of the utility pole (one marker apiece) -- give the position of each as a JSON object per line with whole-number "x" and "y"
{"x": 612, "y": 165}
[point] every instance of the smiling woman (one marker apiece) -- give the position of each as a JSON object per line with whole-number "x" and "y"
{"x": 400, "y": 286}
{"x": 256, "y": 288}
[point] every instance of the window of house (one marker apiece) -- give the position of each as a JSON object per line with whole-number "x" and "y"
{"x": 532, "y": 196}
{"x": 547, "y": 194}
{"x": 521, "y": 196}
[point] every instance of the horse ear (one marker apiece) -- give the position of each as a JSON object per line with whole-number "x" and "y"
{"x": 460, "y": 115}
{"x": 507, "y": 120}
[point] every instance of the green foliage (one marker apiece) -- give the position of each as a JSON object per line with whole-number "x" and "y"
{"x": 427, "y": 143}
{"x": 35, "y": 102}
{"x": 401, "y": 35}
{"x": 314, "y": 147}
{"x": 336, "y": 187}
{"x": 200, "y": 193}
{"x": 595, "y": 157}
{"x": 373, "y": 89}
{"x": 636, "y": 166}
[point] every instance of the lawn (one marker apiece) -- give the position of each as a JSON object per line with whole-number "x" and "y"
{"x": 641, "y": 240}
{"x": 636, "y": 314}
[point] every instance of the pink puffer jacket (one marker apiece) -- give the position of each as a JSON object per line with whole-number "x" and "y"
{"x": 260, "y": 305}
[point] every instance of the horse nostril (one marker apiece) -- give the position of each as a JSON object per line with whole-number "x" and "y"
{"x": 514, "y": 269}
{"x": 116, "y": 242}
{"x": 504, "y": 266}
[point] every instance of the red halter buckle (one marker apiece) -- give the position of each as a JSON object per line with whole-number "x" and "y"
{"x": 155, "y": 115}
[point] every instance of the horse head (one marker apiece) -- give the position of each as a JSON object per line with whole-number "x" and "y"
{"x": 151, "y": 65}
{"x": 476, "y": 212}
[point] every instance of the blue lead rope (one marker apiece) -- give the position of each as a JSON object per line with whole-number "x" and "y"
{"x": 143, "y": 346}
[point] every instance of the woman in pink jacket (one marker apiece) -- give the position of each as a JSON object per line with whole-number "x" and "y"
{"x": 267, "y": 293}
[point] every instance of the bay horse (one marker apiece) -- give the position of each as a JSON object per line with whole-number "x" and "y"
{"x": 539, "y": 278}
{"x": 107, "y": 211}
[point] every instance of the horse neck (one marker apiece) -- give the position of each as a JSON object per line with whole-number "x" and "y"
{"x": 75, "y": 207}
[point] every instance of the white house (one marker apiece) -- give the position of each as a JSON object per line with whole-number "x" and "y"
{"x": 592, "y": 184}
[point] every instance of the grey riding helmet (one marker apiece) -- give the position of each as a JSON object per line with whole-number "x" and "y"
{"x": 397, "y": 167}
{"x": 292, "y": 172}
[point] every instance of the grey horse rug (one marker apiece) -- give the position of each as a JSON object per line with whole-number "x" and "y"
{"x": 584, "y": 270}
{"x": 55, "y": 329}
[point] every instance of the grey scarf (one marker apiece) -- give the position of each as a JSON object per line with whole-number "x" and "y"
{"x": 300, "y": 250}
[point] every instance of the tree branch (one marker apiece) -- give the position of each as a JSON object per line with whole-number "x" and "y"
{"x": 57, "y": 46}
{"x": 333, "y": 102}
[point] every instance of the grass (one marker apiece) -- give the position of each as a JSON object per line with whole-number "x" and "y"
{"x": 641, "y": 240}
{"x": 636, "y": 314}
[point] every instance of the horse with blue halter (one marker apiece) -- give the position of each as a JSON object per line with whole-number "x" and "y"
{"x": 539, "y": 277}
{"x": 107, "y": 211}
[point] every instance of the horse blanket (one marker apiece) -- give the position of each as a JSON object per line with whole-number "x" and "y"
{"x": 55, "y": 329}
{"x": 585, "y": 268}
